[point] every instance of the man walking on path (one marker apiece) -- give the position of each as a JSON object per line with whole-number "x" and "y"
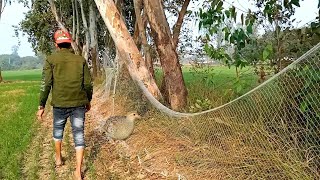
{"x": 69, "y": 78}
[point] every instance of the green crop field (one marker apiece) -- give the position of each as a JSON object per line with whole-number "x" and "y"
{"x": 18, "y": 105}
{"x": 25, "y": 75}
{"x": 220, "y": 78}
{"x": 210, "y": 87}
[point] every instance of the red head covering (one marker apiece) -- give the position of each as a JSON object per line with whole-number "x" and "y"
{"x": 61, "y": 36}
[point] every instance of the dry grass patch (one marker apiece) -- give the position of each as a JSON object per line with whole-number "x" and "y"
{"x": 197, "y": 148}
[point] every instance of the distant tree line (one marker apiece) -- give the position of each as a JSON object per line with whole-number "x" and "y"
{"x": 15, "y": 62}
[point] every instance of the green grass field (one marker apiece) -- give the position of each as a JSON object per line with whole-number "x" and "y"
{"x": 25, "y": 75}
{"x": 18, "y": 105}
{"x": 209, "y": 87}
{"x": 220, "y": 78}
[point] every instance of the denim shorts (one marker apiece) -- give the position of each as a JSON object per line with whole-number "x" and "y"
{"x": 77, "y": 118}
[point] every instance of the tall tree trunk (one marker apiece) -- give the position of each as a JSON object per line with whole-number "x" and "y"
{"x": 86, "y": 47}
{"x": 142, "y": 32}
{"x": 58, "y": 19}
{"x": 126, "y": 45}
{"x": 78, "y": 23}
{"x": 124, "y": 74}
{"x": 93, "y": 40}
{"x": 175, "y": 86}
{"x": 175, "y": 41}
{"x": 73, "y": 21}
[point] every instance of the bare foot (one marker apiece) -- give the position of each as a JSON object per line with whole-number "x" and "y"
{"x": 77, "y": 175}
{"x": 59, "y": 162}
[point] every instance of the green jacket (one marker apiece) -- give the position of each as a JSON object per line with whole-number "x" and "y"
{"x": 69, "y": 78}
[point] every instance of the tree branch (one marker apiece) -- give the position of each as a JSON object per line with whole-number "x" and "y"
{"x": 178, "y": 25}
{"x": 0, "y": 10}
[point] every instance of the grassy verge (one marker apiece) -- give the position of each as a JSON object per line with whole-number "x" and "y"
{"x": 17, "y": 118}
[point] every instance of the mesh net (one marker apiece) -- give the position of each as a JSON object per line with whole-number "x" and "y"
{"x": 273, "y": 131}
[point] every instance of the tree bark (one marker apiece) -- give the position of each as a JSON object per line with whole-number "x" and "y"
{"x": 73, "y": 20}
{"x": 142, "y": 32}
{"x": 178, "y": 25}
{"x": 124, "y": 74}
{"x": 175, "y": 86}
{"x": 58, "y": 19}
{"x": 136, "y": 35}
{"x": 78, "y": 23}
{"x": 93, "y": 40}
{"x": 126, "y": 45}
{"x": 86, "y": 47}
{"x": 175, "y": 40}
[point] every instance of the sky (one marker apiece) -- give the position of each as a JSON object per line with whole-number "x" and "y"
{"x": 14, "y": 13}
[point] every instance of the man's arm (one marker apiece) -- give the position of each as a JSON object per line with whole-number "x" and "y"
{"x": 46, "y": 83}
{"x": 87, "y": 81}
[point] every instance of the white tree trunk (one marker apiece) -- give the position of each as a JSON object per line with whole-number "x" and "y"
{"x": 58, "y": 19}
{"x": 93, "y": 40}
{"x": 73, "y": 21}
{"x": 86, "y": 47}
{"x": 126, "y": 45}
{"x": 78, "y": 23}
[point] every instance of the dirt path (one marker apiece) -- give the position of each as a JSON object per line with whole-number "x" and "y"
{"x": 39, "y": 159}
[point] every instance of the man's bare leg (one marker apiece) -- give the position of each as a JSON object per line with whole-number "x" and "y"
{"x": 79, "y": 158}
{"x": 58, "y": 152}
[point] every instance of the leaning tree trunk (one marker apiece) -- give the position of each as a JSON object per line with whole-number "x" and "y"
{"x": 175, "y": 86}
{"x": 126, "y": 46}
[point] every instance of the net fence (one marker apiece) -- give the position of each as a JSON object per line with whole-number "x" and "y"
{"x": 271, "y": 132}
